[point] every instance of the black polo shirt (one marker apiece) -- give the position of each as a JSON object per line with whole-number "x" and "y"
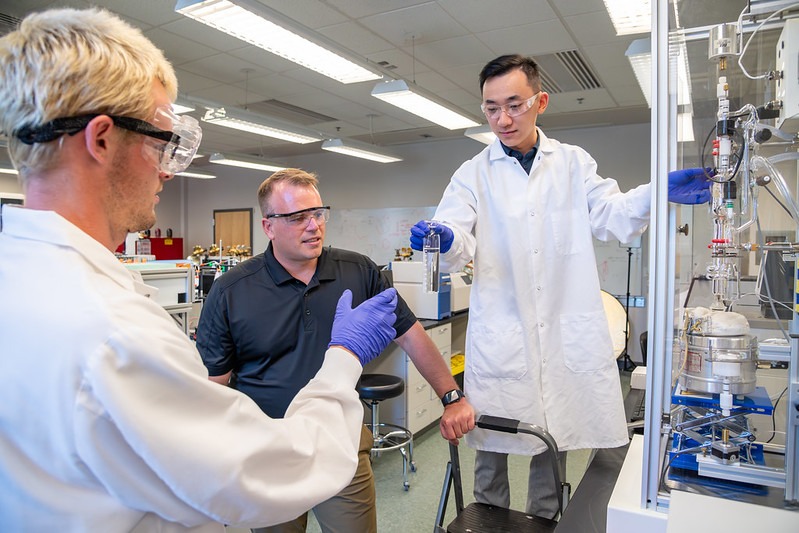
{"x": 272, "y": 330}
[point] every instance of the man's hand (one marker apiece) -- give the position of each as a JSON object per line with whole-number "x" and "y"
{"x": 457, "y": 420}
{"x": 690, "y": 185}
{"x": 366, "y": 330}
{"x": 422, "y": 228}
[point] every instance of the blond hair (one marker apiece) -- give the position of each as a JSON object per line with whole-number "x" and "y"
{"x": 293, "y": 176}
{"x": 67, "y": 62}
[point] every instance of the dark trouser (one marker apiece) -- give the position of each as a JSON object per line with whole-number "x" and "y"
{"x": 491, "y": 484}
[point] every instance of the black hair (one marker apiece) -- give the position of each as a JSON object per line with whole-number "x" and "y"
{"x": 504, "y": 64}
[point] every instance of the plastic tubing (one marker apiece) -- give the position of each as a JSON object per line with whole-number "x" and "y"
{"x": 760, "y": 161}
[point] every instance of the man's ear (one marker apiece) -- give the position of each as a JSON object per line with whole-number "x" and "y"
{"x": 266, "y": 225}
{"x": 98, "y": 137}
{"x": 543, "y": 102}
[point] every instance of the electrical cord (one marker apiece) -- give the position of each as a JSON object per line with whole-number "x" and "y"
{"x": 667, "y": 467}
{"x": 777, "y": 200}
{"x": 774, "y": 414}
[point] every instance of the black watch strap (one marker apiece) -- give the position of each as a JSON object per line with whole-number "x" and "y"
{"x": 451, "y": 397}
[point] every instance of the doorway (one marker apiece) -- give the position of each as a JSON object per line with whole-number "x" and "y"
{"x": 233, "y": 227}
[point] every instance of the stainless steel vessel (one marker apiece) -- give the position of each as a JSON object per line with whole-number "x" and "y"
{"x": 712, "y": 360}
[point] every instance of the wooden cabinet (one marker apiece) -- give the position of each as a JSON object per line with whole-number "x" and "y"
{"x": 419, "y": 406}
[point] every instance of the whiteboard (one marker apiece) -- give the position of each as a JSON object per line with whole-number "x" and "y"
{"x": 611, "y": 263}
{"x": 377, "y": 233}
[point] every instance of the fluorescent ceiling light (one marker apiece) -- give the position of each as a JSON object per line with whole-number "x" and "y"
{"x": 356, "y": 149}
{"x": 244, "y": 162}
{"x": 259, "y": 126}
{"x": 179, "y": 108}
{"x": 685, "y": 127}
{"x": 640, "y": 56}
{"x": 630, "y": 16}
{"x": 192, "y": 174}
{"x": 266, "y": 28}
{"x": 411, "y": 99}
{"x": 8, "y": 171}
{"x": 481, "y": 134}
{"x": 639, "y": 53}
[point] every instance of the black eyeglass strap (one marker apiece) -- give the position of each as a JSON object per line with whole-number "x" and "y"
{"x": 72, "y": 125}
{"x": 53, "y": 129}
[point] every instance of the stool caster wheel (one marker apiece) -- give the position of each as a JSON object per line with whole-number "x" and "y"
{"x": 406, "y": 486}
{"x": 413, "y": 466}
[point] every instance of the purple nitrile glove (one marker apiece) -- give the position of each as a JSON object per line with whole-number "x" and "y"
{"x": 690, "y": 185}
{"x": 422, "y": 228}
{"x": 367, "y": 329}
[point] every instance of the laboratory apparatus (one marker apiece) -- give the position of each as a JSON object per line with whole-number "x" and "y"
{"x": 730, "y": 70}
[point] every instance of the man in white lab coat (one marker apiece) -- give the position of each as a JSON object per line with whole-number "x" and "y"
{"x": 538, "y": 347}
{"x": 107, "y": 419}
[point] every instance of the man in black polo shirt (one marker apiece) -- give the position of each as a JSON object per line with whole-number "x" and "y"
{"x": 267, "y": 322}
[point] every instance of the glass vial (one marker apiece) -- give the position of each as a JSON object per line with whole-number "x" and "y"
{"x": 430, "y": 255}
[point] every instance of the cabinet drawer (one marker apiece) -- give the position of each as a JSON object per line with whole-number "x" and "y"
{"x": 441, "y": 335}
{"x": 420, "y": 416}
{"x": 417, "y": 390}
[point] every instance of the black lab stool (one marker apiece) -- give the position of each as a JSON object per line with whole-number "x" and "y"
{"x": 373, "y": 389}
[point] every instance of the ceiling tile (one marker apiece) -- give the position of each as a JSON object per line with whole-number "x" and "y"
{"x": 191, "y": 29}
{"x": 479, "y": 16}
{"x": 356, "y": 38}
{"x": 590, "y": 29}
{"x": 578, "y": 7}
{"x": 179, "y": 49}
{"x": 415, "y": 25}
{"x": 454, "y": 52}
{"x": 151, "y": 12}
{"x": 312, "y": 14}
{"x": 530, "y": 39}
{"x": 360, "y": 8}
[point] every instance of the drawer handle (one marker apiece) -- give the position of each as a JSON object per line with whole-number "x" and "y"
{"x": 420, "y": 413}
{"x": 421, "y": 387}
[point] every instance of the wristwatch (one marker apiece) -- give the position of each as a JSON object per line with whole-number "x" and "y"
{"x": 452, "y": 396}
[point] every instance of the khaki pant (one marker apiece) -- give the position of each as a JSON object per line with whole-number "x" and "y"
{"x": 351, "y": 510}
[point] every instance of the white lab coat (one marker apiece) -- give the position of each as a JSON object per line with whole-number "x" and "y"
{"x": 538, "y": 348}
{"x": 108, "y": 421}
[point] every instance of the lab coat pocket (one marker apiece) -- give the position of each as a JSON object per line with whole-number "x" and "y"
{"x": 586, "y": 341}
{"x": 498, "y": 353}
{"x": 567, "y": 231}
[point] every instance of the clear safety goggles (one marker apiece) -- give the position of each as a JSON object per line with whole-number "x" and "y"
{"x": 513, "y": 109}
{"x": 170, "y": 140}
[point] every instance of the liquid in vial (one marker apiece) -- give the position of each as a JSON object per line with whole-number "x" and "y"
{"x": 430, "y": 256}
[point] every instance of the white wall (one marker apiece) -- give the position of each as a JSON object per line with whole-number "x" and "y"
{"x": 8, "y": 183}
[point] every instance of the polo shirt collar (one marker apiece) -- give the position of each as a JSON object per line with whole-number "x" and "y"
{"x": 325, "y": 269}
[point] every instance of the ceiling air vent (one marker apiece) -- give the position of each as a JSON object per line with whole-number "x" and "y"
{"x": 565, "y": 72}
{"x": 286, "y": 111}
{"x": 8, "y": 23}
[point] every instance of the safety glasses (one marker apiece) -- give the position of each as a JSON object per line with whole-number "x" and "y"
{"x": 513, "y": 109}
{"x": 170, "y": 144}
{"x": 303, "y": 217}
